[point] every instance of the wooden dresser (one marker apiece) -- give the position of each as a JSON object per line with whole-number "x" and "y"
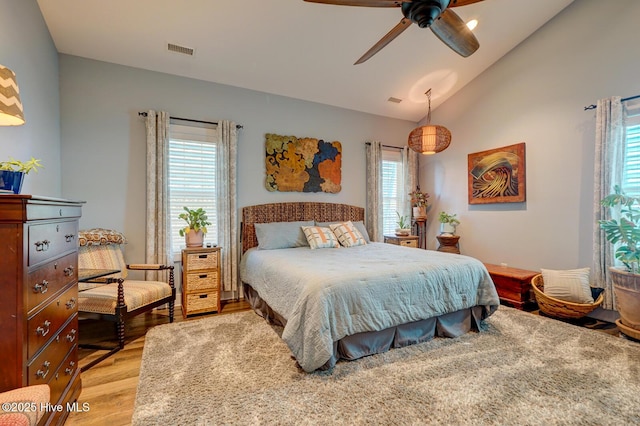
{"x": 513, "y": 285}
{"x": 201, "y": 282}
{"x": 402, "y": 240}
{"x": 39, "y": 287}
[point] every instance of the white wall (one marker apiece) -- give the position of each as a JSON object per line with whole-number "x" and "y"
{"x": 103, "y": 148}
{"x": 27, "y": 49}
{"x": 536, "y": 95}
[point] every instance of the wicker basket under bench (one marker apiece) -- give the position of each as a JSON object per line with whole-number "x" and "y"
{"x": 200, "y": 280}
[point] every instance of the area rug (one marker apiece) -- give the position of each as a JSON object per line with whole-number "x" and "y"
{"x": 523, "y": 370}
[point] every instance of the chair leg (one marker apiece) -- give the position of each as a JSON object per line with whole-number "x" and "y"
{"x": 171, "y": 310}
{"x": 120, "y": 333}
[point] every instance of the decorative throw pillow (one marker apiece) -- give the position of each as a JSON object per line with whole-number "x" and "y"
{"x": 358, "y": 224}
{"x": 320, "y": 237}
{"x": 100, "y": 237}
{"x": 279, "y": 235}
{"x": 571, "y": 285}
{"x": 347, "y": 234}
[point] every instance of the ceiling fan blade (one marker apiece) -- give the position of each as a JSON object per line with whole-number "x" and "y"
{"x": 365, "y": 3}
{"x": 453, "y": 32}
{"x": 395, "y": 32}
{"x": 457, "y": 3}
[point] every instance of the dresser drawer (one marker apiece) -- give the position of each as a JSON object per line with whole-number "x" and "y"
{"x": 37, "y": 211}
{"x": 42, "y": 367}
{"x": 197, "y": 261}
{"x": 43, "y": 325}
{"x": 49, "y": 240}
{"x": 201, "y": 281}
{"x": 46, "y": 281}
{"x": 62, "y": 376}
{"x": 202, "y": 302}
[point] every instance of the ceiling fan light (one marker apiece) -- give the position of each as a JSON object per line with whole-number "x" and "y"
{"x": 429, "y": 139}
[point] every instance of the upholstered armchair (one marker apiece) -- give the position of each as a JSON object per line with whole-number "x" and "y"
{"x": 115, "y": 297}
{"x": 24, "y": 406}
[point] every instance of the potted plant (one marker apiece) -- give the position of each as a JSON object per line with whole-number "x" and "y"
{"x": 196, "y": 228}
{"x": 625, "y": 234}
{"x": 419, "y": 203}
{"x": 12, "y": 174}
{"x": 403, "y": 228}
{"x": 448, "y": 223}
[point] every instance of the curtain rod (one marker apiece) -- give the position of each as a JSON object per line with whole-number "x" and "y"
{"x": 630, "y": 98}
{"x": 238, "y": 126}
{"x": 399, "y": 148}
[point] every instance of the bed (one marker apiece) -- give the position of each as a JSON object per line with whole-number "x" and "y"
{"x": 350, "y": 302}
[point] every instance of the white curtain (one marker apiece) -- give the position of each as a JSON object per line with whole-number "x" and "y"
{"x": 609, "y": 162}
{"x": 227, "y": 205}
{"x": 410, "y": 168}
{"x": 374, "y": 190}
{"x": 158, "y": 241}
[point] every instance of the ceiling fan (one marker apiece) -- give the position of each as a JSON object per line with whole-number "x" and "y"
{"x": 435, "y": 14}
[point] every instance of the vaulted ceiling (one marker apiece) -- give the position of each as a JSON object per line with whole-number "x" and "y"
{"x": 294, "y": 48}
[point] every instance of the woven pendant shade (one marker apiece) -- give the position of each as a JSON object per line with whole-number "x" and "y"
{"x": 431, "y": 138}
{"x": 10, "y": 105}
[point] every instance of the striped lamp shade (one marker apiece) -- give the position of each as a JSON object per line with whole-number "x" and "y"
{"x": 10, "y": 106}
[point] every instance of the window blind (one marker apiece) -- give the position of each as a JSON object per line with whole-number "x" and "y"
{"x": 192, "y": 165}
{"x": 392, "y": 184}
{"x": 631, "y": 170}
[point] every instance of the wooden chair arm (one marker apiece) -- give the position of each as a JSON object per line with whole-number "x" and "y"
{"x": 147, "y": 267}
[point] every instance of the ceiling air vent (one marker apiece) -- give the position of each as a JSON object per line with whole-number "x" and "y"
{"x": 394, "y": 100}
{"x": 180, "y": 49}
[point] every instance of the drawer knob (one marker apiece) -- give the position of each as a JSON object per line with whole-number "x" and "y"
{"x": 69, "y": 370}
{"x": 42, "y": 245}
{"x": 68, "y": 271}
{"x": 202, "y": 256}
{"x": 44, "y": 329}
{"x": 203, "y": 296}
{"x": 42, "y": 287}
{"x": 41, "y": 374}
{"x": 72, "y": 335}
{"x": 69, "y": 237}
{"x": 71, "y": 303}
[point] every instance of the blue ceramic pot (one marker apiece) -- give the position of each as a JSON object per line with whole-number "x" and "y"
{"x": 11, "y": 181}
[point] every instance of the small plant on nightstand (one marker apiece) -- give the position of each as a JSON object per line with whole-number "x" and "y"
{"x": 403, "y": 225}
{"x": 196, "y": 228}
{"x": 448, "y": 223}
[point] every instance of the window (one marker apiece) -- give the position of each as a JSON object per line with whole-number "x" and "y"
{"x": 631, "y": 169}
{"x": 392, "y": 189}
{"x": 192, "y": 168}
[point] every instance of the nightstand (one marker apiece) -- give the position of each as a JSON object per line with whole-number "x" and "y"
{"x": 449, "y": 243}
{"x": 407, "y": 241}
{"x": 201, "y": 281}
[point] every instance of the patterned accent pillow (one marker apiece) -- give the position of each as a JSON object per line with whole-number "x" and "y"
{"x": 572, "y": 285}
{"x": 100, "y": 236}
{"x": 319, "y": 237}
{"x": 347, "y": 234}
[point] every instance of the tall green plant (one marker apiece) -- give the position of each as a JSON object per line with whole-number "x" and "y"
{"x": 196, "y": 219}
{"x": 624, "y": 231}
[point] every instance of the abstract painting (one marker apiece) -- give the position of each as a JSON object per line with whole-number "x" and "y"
{"x": 303, "y": 164}
{"x": 497, "y": 175}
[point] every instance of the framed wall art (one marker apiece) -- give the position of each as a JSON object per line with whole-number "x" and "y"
{"x": 302, "y": 164}
{"x": 497, "y": 175}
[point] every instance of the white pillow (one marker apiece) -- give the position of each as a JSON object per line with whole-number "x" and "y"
{"x": 571, "y": 285}
{"x": 347, "y": 234}
{"x": 319, "y": 237}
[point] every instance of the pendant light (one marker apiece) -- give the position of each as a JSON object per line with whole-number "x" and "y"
{"x": 431, "y": 138}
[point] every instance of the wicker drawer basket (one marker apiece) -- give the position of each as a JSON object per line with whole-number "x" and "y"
{"x": 202, "y": 302}
{"x": 202, "y": 281}
{"x": 197, "y": 261}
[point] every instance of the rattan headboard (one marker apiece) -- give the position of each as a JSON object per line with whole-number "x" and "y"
{"x": 289, "y": 212}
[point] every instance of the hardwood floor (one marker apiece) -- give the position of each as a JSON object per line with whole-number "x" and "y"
{"x": 109, "y": 388}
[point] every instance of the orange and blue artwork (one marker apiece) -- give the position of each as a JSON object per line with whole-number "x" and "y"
{"x": 303, "y": 164}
